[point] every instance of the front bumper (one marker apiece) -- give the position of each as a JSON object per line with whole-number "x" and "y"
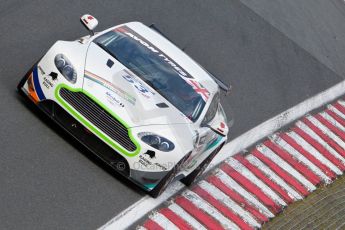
{"x": 145, "y": 180}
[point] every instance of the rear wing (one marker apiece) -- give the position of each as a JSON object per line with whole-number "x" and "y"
{"x": 223, "y": 86}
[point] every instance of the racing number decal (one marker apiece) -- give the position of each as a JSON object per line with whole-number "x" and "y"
{"x": 138, "y": 85}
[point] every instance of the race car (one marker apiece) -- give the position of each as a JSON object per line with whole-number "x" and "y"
{"x": 135, "y": 100}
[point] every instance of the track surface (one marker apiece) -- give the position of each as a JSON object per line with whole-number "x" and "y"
{"x": 292, "y": 51}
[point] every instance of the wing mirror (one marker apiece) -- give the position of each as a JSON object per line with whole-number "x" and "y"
{"x": 219, "y": 127}
{"x": 90, "y": 23}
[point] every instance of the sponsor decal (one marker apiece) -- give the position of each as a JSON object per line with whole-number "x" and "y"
{"x": 37, "y": 85}
{"x": 214, "y": 141}
{"x": 106, "y": 84}
{"x": 41, "y": 70}
{"x": 200, "y": 89}
{"x": 145, "y": 162}
{"x": 114, "y": 100}
{"x": 47, "y": 83}
{"x": 179, "y": 70}
{"x": 163, "y": 167}
{"x": 140, "y": 87}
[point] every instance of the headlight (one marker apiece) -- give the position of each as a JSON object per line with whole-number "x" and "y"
{"x": 65, "y": 68}
{"x": 156, "y": 141}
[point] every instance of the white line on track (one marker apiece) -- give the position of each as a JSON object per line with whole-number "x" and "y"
{"x": 139, "y": 209}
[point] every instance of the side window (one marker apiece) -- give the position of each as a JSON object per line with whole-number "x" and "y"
{"x": 212, "y": 110}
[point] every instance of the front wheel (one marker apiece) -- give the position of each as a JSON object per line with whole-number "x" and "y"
{"x": 188, "y": 180}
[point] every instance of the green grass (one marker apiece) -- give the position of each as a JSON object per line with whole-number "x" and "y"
{"x": 323, "y": 209}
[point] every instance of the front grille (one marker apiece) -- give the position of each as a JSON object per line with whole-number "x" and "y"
{"x": 98, "y": 117}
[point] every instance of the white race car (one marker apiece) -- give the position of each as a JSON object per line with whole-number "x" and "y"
{"x": 135, "y": 100}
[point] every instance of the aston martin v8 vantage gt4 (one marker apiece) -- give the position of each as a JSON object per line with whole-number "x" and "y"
{"x": 133, "y": 99}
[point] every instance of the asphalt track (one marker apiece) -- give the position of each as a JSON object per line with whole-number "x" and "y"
{"x": 275, "y": 54}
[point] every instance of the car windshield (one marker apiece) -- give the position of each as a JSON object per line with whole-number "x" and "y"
{"x": 156, "y": 69}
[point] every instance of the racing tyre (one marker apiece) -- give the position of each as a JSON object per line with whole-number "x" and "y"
{"x": 188, "y": 180}
{"x": 163, "y": 184}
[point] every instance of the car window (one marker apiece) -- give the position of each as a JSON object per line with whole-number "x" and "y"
{"x": 155, "y": 70}
{"x": 212, "y": 110}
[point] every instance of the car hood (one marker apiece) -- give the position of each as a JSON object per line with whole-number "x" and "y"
{"x": 118, "y": 89}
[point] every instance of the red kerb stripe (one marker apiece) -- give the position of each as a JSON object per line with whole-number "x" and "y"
{"x": 152, "y": 225}
{"x": 237, "y": 198}
{"x": 221, "y": 207}
{"x": 282, "y": 173}
{"x": 198, "y": 214}
{"x": 323, "y": 151}
{"x": 295, "y": 164}
{"x": 305, "y": 153}
{"x": 174, "y": 218}
{"x": 252, "y": 188}
{"x": 265, "y": 179}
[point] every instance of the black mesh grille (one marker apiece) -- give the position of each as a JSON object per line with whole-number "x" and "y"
{"x": 99, "y": 117}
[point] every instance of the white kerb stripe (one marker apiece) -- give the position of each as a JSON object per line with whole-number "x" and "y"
{"x": 186, "y": 216}
{"x": 314, "y": 152}
{"x": 325, "y": 145}
{"x": 293, "y": 152}
{"x": 220, "y": 196}
{"x": 336, "y": 111}
{"x": 339, "y": 126}
{"x": 341, "y": 102}
{"x": 276, "y": 159}
{"x": 163, "y": 221}
{"x": 326, "y": 131}
{"x": 250, "y": 176}
{"x": 140, "y": 228}
{"x": 332, "y": 121}
{"x": 209, "y": 209}
{"x": 228, "y": 181}
{"x": 274, "y": 177}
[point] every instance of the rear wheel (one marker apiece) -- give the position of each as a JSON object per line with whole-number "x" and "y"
{"x": 188, "y": 180}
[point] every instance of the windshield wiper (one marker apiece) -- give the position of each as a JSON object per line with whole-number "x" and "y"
{"x": 108, "y": 51}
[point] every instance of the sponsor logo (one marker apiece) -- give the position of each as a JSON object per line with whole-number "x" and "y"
{"x": 163, "y": 167}
{"x": 47, "y": 83}
{"x": 114, "y": 100}
{"x": 41, "y": 70}
{"x": 145, "y": 162}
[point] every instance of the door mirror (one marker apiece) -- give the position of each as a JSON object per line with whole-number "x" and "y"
{"x": 90, "y": 22}
{"x": 219, "y": 127}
